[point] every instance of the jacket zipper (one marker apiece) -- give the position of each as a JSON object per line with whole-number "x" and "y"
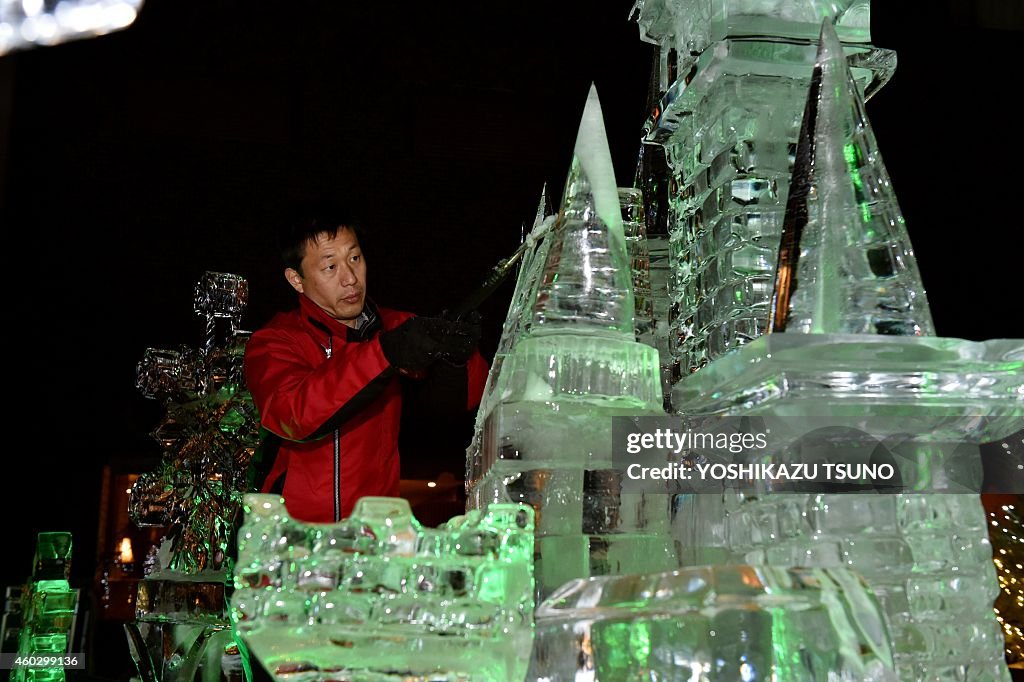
{"x": 328, "y": 351}
{"x": 337, "y": 475}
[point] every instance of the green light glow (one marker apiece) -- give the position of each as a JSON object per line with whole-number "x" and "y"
{"x": 852, "y": 157}
{"x": 640, "y": 641}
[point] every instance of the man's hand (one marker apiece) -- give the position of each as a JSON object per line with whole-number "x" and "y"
{"x": 414, "y": 344}
{"x": 460, "y": 338}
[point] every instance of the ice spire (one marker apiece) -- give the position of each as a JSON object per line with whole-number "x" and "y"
{"x": 592, "y": 163}
{"x": 845, "y": 262}
{"x": 586, "y": 285}
{"x": 542, "y": 205}
{"x": 568, "y": 365}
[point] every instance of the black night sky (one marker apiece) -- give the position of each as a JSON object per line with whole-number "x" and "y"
{"x": 134, "y": 162}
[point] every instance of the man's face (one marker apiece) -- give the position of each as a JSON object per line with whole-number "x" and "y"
{"x": 333, "y": 275}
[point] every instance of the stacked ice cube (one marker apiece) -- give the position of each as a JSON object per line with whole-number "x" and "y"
{"x": 49, "y": 607}
{"x": 378, "y": 597}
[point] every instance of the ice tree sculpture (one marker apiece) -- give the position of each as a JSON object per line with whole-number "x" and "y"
{"x": 209, "y": 435}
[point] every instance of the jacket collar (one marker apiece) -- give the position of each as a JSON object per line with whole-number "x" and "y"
{"x": 326, "y": 329}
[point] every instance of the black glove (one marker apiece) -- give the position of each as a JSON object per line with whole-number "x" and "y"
{"x": 460, "y": 338}
{"x": 414, "y": 344}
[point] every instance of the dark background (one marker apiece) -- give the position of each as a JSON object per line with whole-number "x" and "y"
{"x": 135, "y": 161}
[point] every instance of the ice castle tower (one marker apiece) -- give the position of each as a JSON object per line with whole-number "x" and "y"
{"x": 568, "y": 362}
{"x": 784, "y": 220}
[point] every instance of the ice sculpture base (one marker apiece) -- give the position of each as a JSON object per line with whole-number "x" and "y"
{"x": 926, "y": 557}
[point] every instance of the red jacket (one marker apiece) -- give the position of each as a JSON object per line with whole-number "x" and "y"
{"x": 329, "y": 393}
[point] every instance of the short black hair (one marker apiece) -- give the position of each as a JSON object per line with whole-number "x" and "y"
{"x": 309, "y": 220}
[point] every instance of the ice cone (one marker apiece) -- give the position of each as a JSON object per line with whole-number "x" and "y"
{"x": 845, "y": 261}
{"x": 586, "y": 284}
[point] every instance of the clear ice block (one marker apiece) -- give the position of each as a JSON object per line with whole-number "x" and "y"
{"x": 713, "y": 623}
{"x": 728, "y": 128}
{"x": 378, "y": 597}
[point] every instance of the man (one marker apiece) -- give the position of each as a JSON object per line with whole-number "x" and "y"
{"x": 324, "y": 377}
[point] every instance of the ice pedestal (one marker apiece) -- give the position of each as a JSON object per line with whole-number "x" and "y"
{"x": 926, "y": 555}
{"x": 547, "y": 444}
{"x": 713, "y": 623}
{"x": 556, "y": 459}
{"x": 378, "y": 597}
{"x": 181, "y": 627}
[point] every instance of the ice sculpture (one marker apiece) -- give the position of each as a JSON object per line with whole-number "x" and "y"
{"x": 545, "y": 431}
{"x": 713, "y": 624}
{"x": 209, "y": 435}
{"x": 846, "y": 277}
{"x": 379, "y": 597}
{"x": 48, "y": 610}
{"x": 586, "y": 285}
{"x": 722, "y": 152}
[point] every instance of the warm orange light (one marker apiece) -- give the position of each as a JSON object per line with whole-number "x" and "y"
{"x": 125, "y": 552}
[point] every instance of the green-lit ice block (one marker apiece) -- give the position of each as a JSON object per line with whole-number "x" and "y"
{"x": 378, "y": 597}
{"x": 926, "y": 556}
{"x": 713, "y": 624}
{"x": 48, "y": 607}
{"x": 53, "y": 557}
